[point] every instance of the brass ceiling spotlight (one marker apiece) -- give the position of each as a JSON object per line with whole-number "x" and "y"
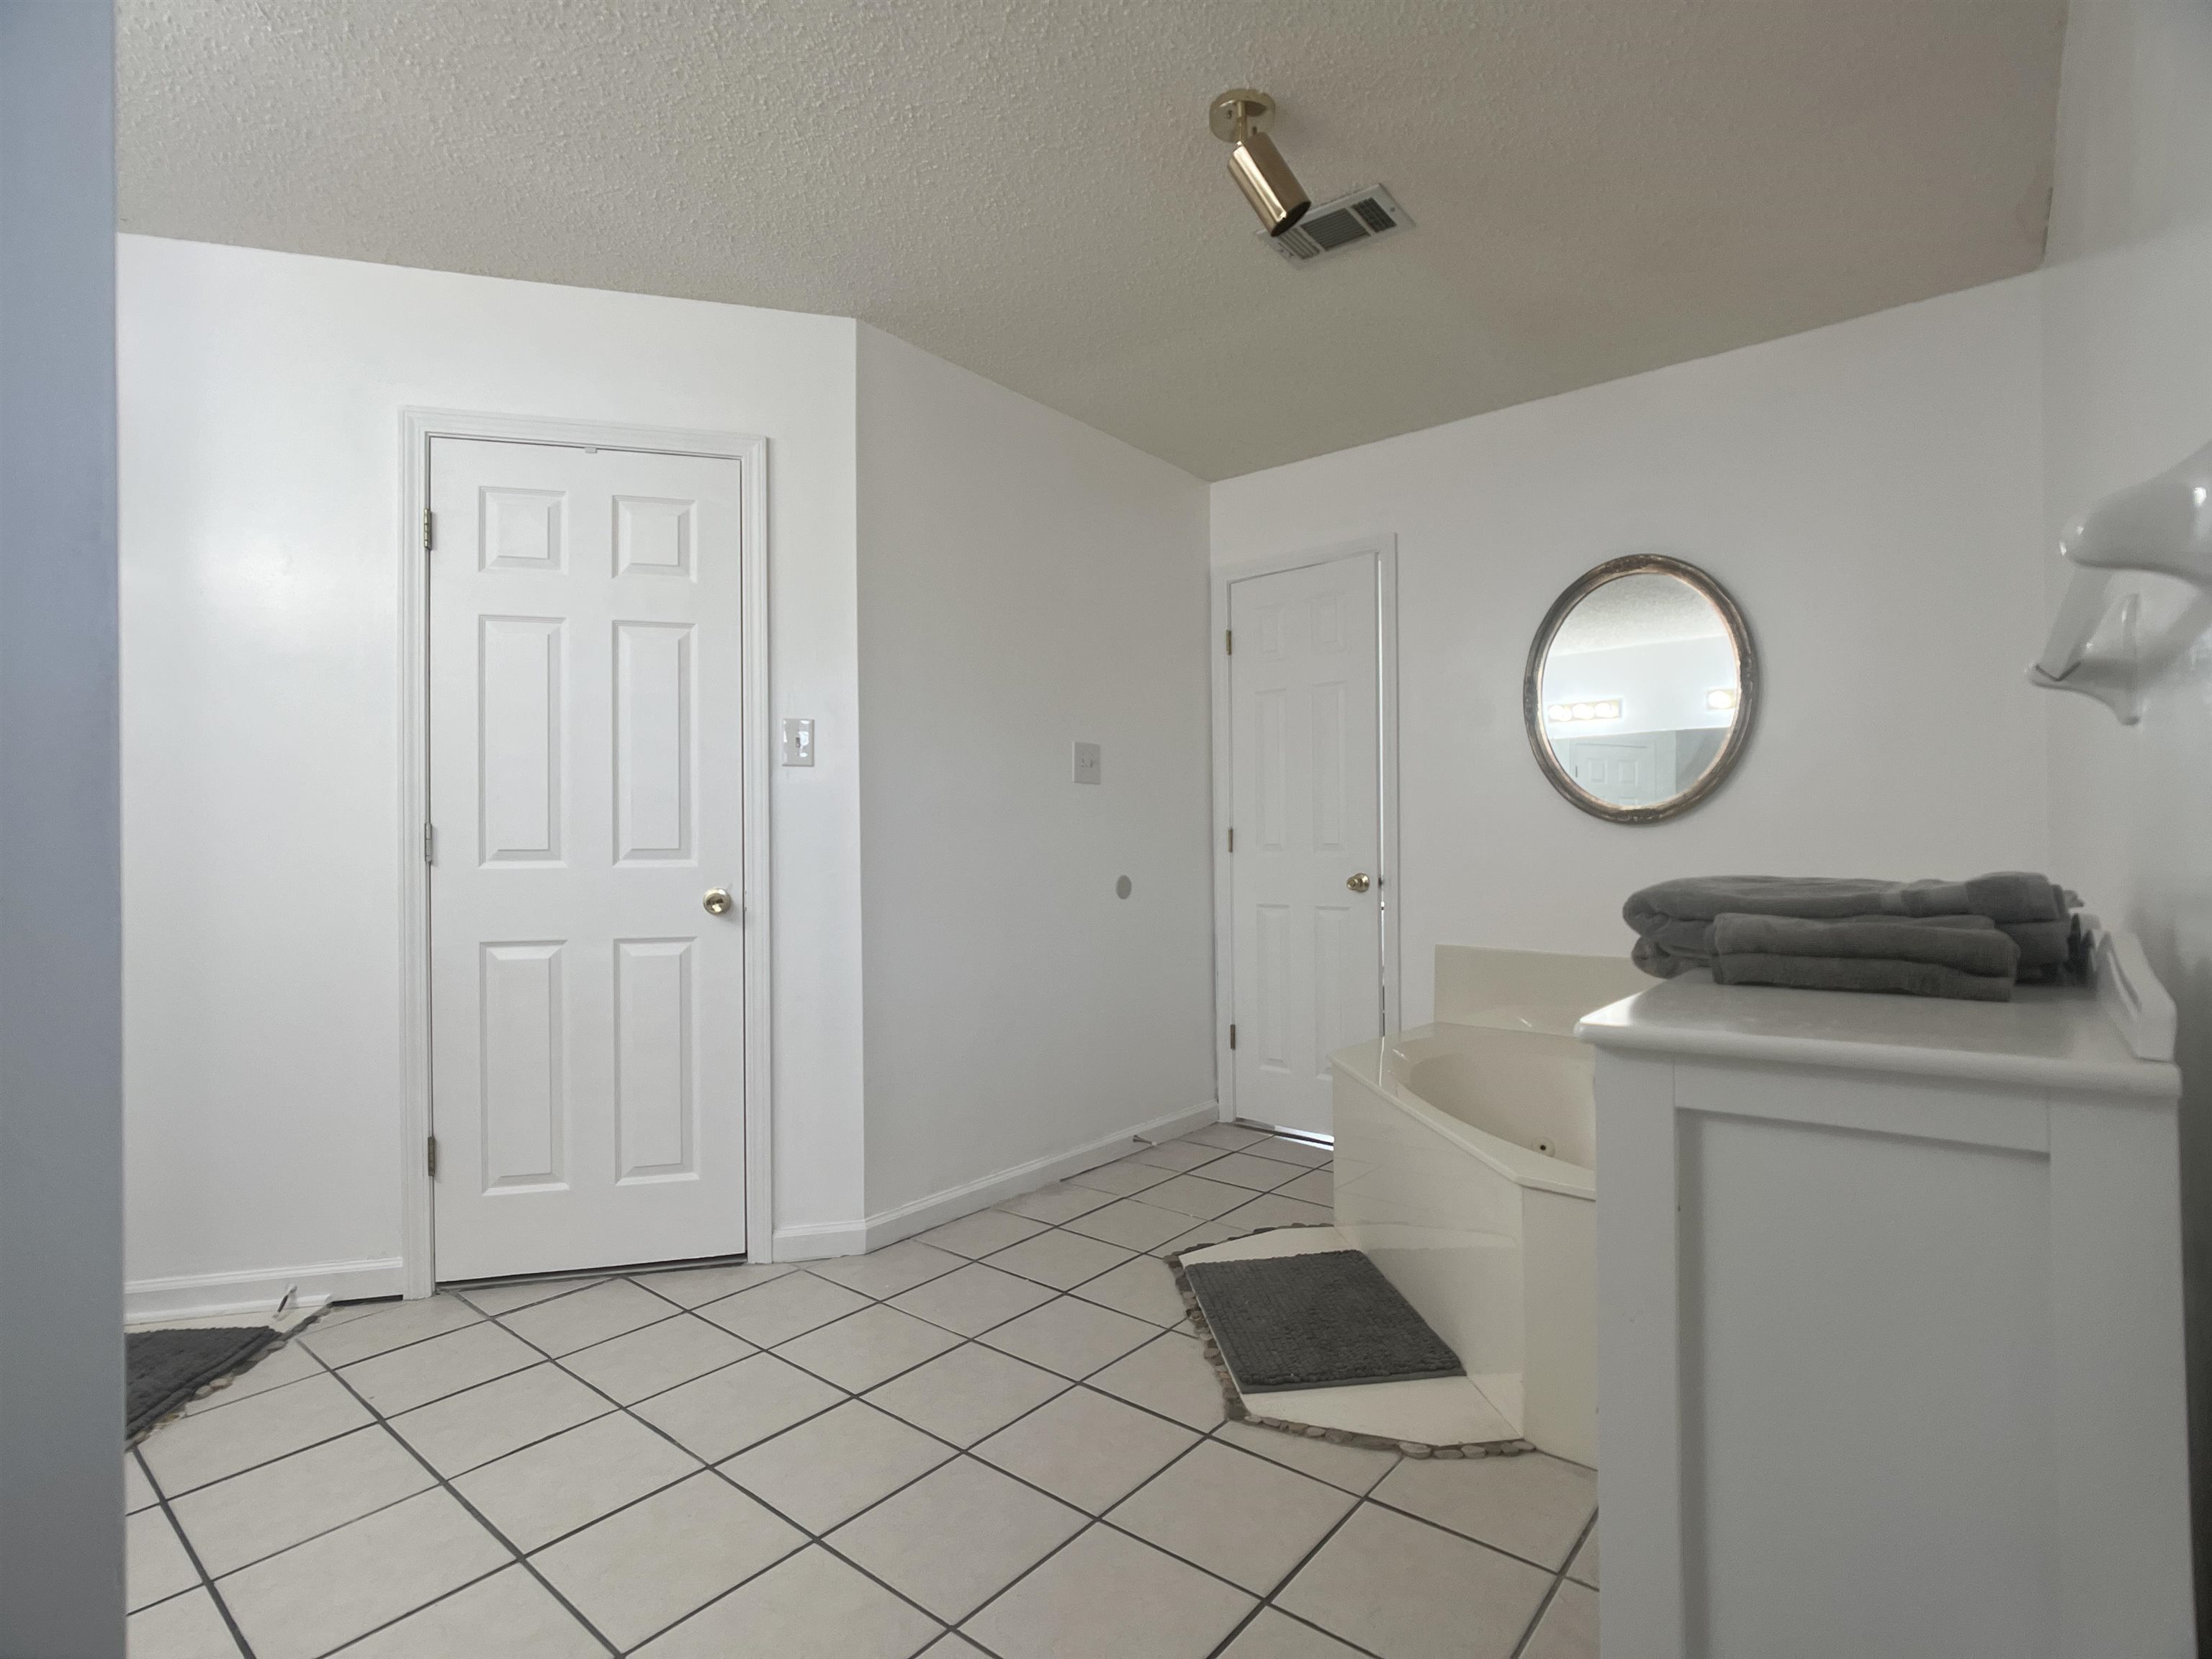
{"x": 1241, "y": 117}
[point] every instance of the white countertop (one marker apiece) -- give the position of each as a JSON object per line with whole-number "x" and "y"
{"x": 2048, "y": 1036}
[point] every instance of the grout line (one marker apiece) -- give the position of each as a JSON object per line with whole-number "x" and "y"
{"x": 192, "y": 1554}
{"x": 848, "y": 1396}
{"x": 482, "y": 1519}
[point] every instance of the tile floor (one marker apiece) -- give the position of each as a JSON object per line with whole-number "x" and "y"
{"x": 997, "y": 1438}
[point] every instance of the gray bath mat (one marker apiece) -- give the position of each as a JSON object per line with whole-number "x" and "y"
{"x": 167, "y": 1368}
{"x": 1319, "y": 1321}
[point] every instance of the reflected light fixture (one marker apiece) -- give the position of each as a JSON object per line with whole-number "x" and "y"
{"x": 1606, "y": 710}
{"x": 1240, "y": 117}
{"x": 1727, "y": 697}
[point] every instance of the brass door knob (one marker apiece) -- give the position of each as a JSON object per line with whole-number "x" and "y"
{"x": 1361, "y": 883}
{"x": 717, "y": 902}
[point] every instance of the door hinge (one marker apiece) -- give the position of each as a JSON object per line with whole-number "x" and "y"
{"x": 1228, "y": 641}
{"x": 429, "y": 529}
{"x": 431, "y": 1148}
{"x": 1232, "y": 841}
{"x": 429, "y": 844}
{"x": 1232, "y": 1036}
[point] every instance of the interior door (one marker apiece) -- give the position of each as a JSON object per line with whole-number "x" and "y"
{"x": 1306, "y": 787}
{"x": 587, "y": 1005}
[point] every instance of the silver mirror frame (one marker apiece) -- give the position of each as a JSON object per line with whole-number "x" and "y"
{"x": 1747, "y": 674}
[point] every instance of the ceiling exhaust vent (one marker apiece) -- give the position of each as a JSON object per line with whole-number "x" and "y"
{"x": 1351, "y": 221}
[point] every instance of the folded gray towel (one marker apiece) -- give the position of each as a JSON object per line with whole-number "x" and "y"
{"x": 1970, "y": 944}
{"x": 1671, "y": 918}
{"x": 1911, "y": 979}
{"x": 2042, "y": 944}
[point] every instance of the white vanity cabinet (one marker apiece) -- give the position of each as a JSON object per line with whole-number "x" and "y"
{"x": 1890, "y": 1324}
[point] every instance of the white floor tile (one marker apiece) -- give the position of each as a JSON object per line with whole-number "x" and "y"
{"x": 1397, "y": 1586}
{"x": 1070, "y": 1337}
{"x": 974, "y": 1299}
{"x": 1274, "y": 1210}
{"x": 423, "y": 1372}
{"x": 392, "y": 1325}
{"x": 1142, "y": 1287}
{"x": 1240, "y": 1517}
{"x": 967, "y": 1394}
{"x": 537, "y": 1494}
{"x": 693, "y": 1287}
{"x": 1275, "y": 1635}
{"x": 1532, "y": 1506}
{"x": 981, "y": 1233}
{"x": 194, "y": 1450}
{"x": 1087, "y": 1449}
{"x": 885, "y": 1272}
{"x": 1179, "y": 1156}
{"x": 137, "y": 1489}
{"x": 1107, "y": 1593}
{"x": 1195, "y": 1196}
{"x": 782, "y": 1309}
{"x": 185, "y": 1626}
{"x": 958, "y": 1536}
{"x": 237, "y": 1522}
{"x": 344, "y": 1583}
{"x": 155, "y": 1566}
{"x": 1229, "y": 1137}
{"x": 810, "y": 1606}
{"x": 1121, "y": 1179}
{"x": 464, "y": 1429}
{"x": 643, "y": 1568}
{"x": 724, "y": 1412}
{"x": 1132, "y": 1223}
{"x": 1245, "y": 1170}
{"x": 509, "y": 1615}
{"x": 1584, "y": 1566}
{"x": 1303, "y": 1153}
{"x": 288, "y": 1363}
{"x": 1171, "y": 1376}
{"x": 1355, "y": 1468}
{"x": 1060, "y": 1201}
{"x": 569, "y": 1322}
{"x": 507, "y": 1295}
{"x": 868, "y": 1348}
{"x": 1568, "y": 1629}
{"x": 657, "y": 1357}
{"x": 1060, "y": 1259}
{"x": 827, "y": 1470}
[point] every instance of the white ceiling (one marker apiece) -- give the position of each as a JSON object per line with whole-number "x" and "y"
{"x": 1027, "y": 187}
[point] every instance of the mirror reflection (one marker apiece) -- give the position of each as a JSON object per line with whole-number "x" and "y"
{"x": 1639, "y": 689}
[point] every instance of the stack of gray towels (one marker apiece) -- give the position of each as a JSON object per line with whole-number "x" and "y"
{"x": 1973, "y": 939}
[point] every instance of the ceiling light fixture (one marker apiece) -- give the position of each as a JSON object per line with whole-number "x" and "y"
{"x": 1241, "y": 118}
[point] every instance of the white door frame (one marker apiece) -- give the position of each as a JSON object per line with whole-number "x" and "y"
{"x": 417, "y": 427}
{"x": 1384, "y": 547}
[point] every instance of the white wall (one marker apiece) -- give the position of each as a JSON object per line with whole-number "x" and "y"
{"x": 1865, "y": 492}
{"x": 1025, "y": 582}
{"x": 61, "y": 1235}
{"x": 260, "y": 499}
{"x": 2128, "y": 366}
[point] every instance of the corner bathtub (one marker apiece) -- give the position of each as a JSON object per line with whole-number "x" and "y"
{"x": 1466, "y": 1168}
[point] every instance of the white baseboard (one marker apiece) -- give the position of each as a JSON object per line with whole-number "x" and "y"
{"x": 813, "y": 1241}
{"x": 199, "y": 1295}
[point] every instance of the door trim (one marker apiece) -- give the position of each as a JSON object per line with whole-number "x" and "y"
{"x": 417, "y": 427}
{"x": 1384, "y": 548}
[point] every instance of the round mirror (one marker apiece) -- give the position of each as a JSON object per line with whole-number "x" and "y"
{"x": 1640, "y": 690}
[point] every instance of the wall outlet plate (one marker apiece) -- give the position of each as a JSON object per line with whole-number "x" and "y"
{"x": 1086, "y": 762}
{"x": 798, "y": 743}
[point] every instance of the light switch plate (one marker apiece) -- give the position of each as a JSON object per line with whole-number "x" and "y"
{"x": 798, "y": 743}
{"x": 1086, "y": 762}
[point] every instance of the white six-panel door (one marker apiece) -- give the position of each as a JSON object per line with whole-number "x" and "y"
{"x": 587, "y": 1011}
{"x": 1307, "y": 956}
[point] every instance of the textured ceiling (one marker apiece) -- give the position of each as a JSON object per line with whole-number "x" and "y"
{"x": 1027, "y": 187}
{"x": 1638, "y": 611}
